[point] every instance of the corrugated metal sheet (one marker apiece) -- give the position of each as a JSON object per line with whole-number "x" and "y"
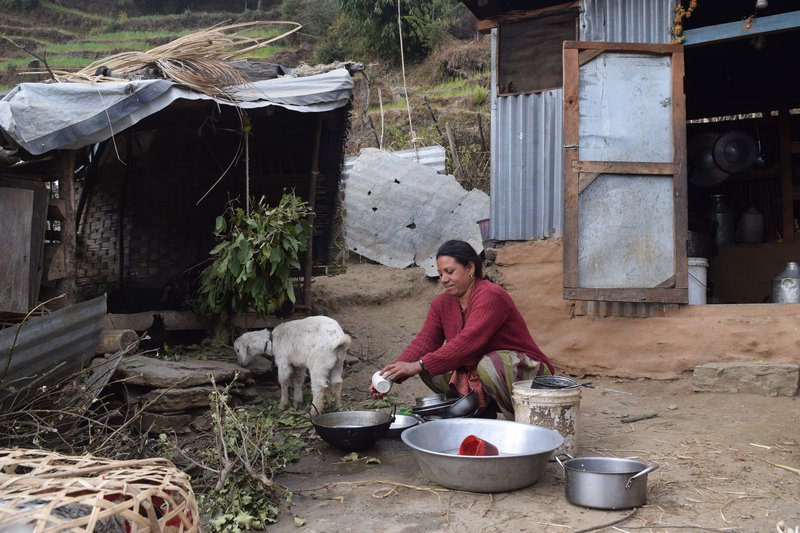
{"x": 627, "y": 21}
{"x": 527, "y": 132}
{"x": 527, "y": 182}
{"x": 429, "y": 156}
{"x": 67, "y": 337}
{"x": 526, "y": 160}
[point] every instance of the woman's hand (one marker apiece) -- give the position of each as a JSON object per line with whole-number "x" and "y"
{"x": 399, "y": 370}
{"x": 375, "y": 394}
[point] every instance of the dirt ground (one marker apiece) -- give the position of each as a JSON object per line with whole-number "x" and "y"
{"x": 727, "y": 462}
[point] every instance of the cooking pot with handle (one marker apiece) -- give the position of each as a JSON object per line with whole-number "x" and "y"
{"x": 605, "y": 482}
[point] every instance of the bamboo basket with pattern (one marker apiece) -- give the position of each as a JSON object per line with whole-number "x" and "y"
{"x": 42, "y": 491}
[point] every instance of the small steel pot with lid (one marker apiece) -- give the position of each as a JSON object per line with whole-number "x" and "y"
{"x": 605, "y": 482}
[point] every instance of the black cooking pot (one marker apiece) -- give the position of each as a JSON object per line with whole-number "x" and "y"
{"x": 353, "y": 430}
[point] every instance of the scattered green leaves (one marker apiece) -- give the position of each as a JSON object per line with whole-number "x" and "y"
{"x": 253, "y": 444}
{"x": 299, "y": 522}
{"x": 254, "y": 258}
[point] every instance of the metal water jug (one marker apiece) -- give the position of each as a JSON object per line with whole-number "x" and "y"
{"x": 722, "y": 215}
{"x": 786, "y": 285}
{"x": 751, "y": 226}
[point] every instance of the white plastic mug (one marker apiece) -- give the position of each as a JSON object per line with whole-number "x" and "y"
{"x": 380, "y": 383}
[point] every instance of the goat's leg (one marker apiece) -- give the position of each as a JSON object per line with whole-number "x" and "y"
{"x": 320, "y": 382}
{"x": 297, "y": 385}
{"x": 284, "y": 376}
{"x": 336, "y": 383}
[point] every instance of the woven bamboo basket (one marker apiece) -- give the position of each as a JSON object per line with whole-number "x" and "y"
{"x": 42, "y": 491}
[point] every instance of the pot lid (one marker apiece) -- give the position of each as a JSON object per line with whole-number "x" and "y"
{"x": 735, "y": 151}
{"x": 704, "y": 171}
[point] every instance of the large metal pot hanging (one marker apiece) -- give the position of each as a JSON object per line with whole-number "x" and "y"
{"x": 703, "y": 170}
{"x": 605, "y": 482}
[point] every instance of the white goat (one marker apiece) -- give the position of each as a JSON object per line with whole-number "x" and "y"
{"x": 316, "y": 343}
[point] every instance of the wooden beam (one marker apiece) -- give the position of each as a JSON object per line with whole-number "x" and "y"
{"x": 485, "y": 26}
{"x": 742, "y": 29}
{"x": 516, "y": 16}
{"x": 571, "y": 178}
{"x": 617, "y": 167}
{"x": 640, "y": 48}
{"x": 787, "y": 189}
{"x": 57, "y": 209}
{"x": 66, "y": 191}
{"x": 657, "y": 295}
{"x": 312, "y": 200}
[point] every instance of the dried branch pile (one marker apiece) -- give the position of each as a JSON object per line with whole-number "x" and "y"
{"x": 197, "y": 60}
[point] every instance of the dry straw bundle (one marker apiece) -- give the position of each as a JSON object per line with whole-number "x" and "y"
{"x": 42, "y": 491}
{"x": 197, "y": 60}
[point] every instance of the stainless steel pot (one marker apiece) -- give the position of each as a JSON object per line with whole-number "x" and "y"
{"x": 605, "y": 482}
{"x": 524, "y": 453}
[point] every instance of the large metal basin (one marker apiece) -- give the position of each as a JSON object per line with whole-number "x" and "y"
{"x": 524, "y": 453}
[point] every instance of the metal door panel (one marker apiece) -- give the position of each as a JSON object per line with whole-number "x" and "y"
{"x": 624, "y": 173}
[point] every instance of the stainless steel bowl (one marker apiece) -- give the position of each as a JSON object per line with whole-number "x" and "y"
{"x": 524, "y": 452}
{"x": 467, "y": 405}
{"x": 400, "y": 424}
{"x": 434, "y": 399}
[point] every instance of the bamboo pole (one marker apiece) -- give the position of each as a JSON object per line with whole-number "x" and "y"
{"x": 312, "y": 199}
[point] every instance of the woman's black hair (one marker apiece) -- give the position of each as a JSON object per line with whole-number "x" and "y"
{"x": 464, "y": 253}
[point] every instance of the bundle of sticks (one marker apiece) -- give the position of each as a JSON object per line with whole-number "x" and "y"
{"x": 198, "y": 60}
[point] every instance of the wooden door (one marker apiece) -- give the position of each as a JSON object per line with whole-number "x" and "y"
{"x": 625, "y": 221}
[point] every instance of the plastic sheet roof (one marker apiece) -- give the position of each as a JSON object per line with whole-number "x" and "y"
{"x": 41, "y": 117}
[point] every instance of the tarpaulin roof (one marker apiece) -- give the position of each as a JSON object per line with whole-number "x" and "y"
{"x": 40, "y": 117}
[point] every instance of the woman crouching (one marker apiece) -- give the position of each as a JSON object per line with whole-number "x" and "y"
{"x": 474, "y": 338}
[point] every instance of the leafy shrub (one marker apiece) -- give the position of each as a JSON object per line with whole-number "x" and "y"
{"x": 314, "y": 15}
{"x": 424, "y": 23}
{"x": 254, "y": 258}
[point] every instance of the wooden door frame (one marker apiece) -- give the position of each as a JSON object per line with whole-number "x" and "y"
{"x": 579, "y": 174}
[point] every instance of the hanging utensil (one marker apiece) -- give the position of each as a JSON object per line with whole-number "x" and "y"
{"x": 759, "y": 162}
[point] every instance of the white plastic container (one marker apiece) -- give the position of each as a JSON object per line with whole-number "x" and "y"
{"x": 698, "y": 279}
{"x": 556, "y": 409}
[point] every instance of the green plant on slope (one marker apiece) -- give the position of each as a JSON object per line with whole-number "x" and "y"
{"x": 254, "y": 258}
{"x": 424, "y": 23}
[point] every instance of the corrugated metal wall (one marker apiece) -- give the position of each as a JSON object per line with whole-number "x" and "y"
{"x": 627, "y": 21}
{"x": 526, "y": 184}
{"x": 526, "y": 130}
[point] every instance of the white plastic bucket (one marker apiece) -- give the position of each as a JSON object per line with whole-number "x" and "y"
{"x": 698, "y": 277}
{"x": 556, "y": 409}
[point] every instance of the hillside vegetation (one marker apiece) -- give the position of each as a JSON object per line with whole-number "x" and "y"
{"x": 446, "y": 61}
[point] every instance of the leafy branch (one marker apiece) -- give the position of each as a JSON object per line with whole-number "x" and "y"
{"x": 254, "y": 258}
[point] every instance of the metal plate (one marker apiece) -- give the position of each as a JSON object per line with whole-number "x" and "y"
{"x": 703, "y": 170}
{"x": 735, "y": 151}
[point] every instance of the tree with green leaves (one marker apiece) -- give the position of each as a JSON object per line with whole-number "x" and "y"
{"x": 424, "y": 24}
